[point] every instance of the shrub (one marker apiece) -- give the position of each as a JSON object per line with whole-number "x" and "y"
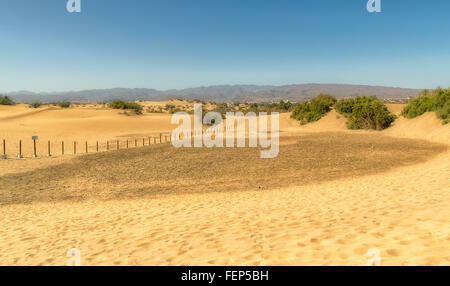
{"x": 365, "y": 112}
{"x": 444, "y": 111}
{"x": 168, "y": 107}
{"x": 62, "y": 104}
{"x": 281, "y": 107}
{"x": 438, "y": 101}
{"x": 314, "y": 109}
{"x": 4, "y": 100}
{"x": 35, "y": 105}
{"x": 154, "y": 110}
{"x": 285, "y": 105}
{"x": 120, "y": 104}
{"x": 175, "y": 110}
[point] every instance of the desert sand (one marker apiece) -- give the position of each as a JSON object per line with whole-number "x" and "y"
{"x": 330, "y": 196}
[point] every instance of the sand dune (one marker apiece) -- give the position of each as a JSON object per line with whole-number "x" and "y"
{"x": 333, "y": 121}
{"x": 21, "y": 113}
{"x": 75, "y": 124}
{"x": 333, "y": 223}
{"x": 427, "y": 126}
{"x": 396, "y": 108}
{"x": 395, "y": 198}
{"x": 307, "y": 159}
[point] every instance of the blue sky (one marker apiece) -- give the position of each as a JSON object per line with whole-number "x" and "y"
{"x": 167, "y": 44}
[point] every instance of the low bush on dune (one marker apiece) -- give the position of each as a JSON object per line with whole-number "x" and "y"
{"x": 366, "y": 112}
{"x": 314, "y": 109}
{"x": 120, "y": 104}
{"x": 35, "y": 105}
{"x": 444, "y": 113}
{"x": 280, "y": 107}
{"x": 62, "y": 104}
{"x": 438, "y": 101}
{"x": 4, "y": 100}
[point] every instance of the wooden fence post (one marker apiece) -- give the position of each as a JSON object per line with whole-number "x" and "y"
{"x": 34, "y": 149}
{"x": 107, "y": 145}
{"x": 87, "y": 151}
{"x": 74, "y": 147}
{"x": 4, "y": 150}
{"x": 97, "y": 146}
{"x": 118, "y": 145}
{"x": 135, "y": 142}
{"x": 143, "y": 141}
{"x": 20, "y": 156}
{"x": 62, "y": 148}
{"x": 127, "y": 143}
{"x": 49, "y": 151}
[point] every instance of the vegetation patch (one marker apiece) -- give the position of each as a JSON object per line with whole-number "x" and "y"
{"x": 62, "y": 104}
{"x": 5, "y": 100}
{"x": 314, "y": 109}
{"x": 35, "y": 105}
{"x": 280, "y": 107}
{"x": 366, "y": 112}
{"x": 437, "y": 100}
{"x": 154, "y": 110}
{"x": 120, "y": 104}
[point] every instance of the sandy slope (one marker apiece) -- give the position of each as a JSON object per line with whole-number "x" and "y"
{"x": 403, "y": 212}
{"x": 427, "y": 126}
{"x": 74, "y": 124}
{"x": 331, "y": 224}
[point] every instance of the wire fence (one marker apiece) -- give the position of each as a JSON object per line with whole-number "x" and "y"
{"x": 35, "y": 148}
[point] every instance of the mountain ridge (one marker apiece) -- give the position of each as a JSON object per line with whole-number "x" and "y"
{"x": 219, "y": 93}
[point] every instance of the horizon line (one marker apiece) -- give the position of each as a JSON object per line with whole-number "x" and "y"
{"x": 209, "y": 86}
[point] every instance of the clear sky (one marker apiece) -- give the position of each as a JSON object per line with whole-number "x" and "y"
{"x": 167, "y": 44}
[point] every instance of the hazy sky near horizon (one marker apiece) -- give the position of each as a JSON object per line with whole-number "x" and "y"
{"x": 171, "y": 44}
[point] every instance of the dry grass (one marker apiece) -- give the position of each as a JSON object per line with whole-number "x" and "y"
{"x": 162, "y": 169}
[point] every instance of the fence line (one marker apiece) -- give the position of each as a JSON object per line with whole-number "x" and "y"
{"x": 35, "y": 144}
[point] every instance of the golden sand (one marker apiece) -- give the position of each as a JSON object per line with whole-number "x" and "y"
{"x": 404, "y": 210}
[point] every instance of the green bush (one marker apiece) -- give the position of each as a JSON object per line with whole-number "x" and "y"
{"x": 444, "y": 111}
{"x": 438, "y": 101}
{"x": 154, "y": 110}
{"x": 62, "y": 104}
{"x": 169, "y": 107}
{"x": 35, "y": 105}
{"x": 4, "y": 100}
{"x": 175, "y": 110}
{"x": 365, "y": 112}
{"x": 314, "y": 109}
{"x": 120, "y": 104}
{"x": 281, "y": 107}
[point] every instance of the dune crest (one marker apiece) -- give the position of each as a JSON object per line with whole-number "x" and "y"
{"x": 427, "y": 126}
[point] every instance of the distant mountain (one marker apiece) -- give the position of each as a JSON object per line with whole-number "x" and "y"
{"x": 307, "y": 91}
{"x": 94, "y": 95}
{"x": 216, "y": 93}
{"x": 222, "y": 93}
